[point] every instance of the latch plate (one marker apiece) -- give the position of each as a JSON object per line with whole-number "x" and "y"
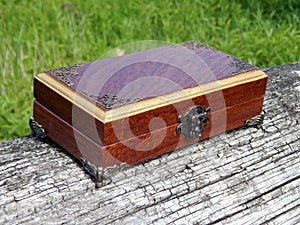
{"x": 191, "y": 124}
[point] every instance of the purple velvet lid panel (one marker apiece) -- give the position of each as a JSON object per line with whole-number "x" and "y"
{"x": 117, "y": 81}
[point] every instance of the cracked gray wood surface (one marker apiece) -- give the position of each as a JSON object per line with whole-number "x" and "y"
{"x": 245, "y": 176}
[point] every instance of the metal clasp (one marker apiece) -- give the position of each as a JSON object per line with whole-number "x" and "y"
{"x": 192, "y": 122}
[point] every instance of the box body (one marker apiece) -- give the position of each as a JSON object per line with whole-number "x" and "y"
{"x": 134, "y": 107}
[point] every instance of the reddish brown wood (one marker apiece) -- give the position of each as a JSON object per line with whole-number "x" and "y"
{"x": 75, "y": 142}
{"x": 236, "y": 116}
{"x": 159, "y": 141}
{"x": 139, "y": 124}
{"x": 66, "y": 110}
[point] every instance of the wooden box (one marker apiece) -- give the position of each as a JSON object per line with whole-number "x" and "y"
{"x": 134, "y": 107}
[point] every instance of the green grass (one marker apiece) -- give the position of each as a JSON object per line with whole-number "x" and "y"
{"x": 36, "y": 35}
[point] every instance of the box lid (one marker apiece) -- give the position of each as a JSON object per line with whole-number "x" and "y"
{"x": 114, "y": 82}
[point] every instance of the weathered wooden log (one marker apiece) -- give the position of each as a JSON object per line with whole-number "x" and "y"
{"x": 245, "y": 176}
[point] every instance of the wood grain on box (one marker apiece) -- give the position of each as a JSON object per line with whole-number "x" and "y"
{"x": 126, "y": 109}
{"x": 79, "y": 145}
{"x": 233, "y": 90}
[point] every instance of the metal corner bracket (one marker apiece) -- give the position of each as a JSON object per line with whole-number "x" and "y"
{"x": 95, "y": 172}
{"x": 36, "y": 129}
{"x": 102, "y": 175}
{"x": 256, "y": 121}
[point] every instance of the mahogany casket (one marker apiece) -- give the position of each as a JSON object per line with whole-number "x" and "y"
{"x": 134, "y": 107}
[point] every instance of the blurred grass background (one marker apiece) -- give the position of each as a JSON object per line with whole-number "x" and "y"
{"x": 36, "y": 35}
